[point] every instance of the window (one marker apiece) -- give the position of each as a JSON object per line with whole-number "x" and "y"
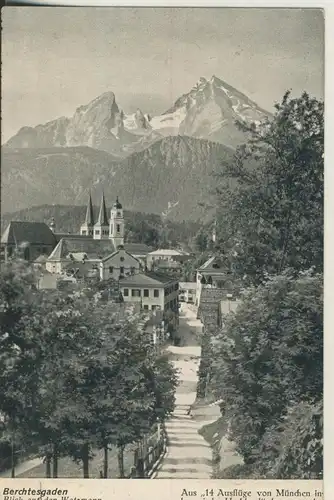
{"x": 135, "y": 293}
{"x": 121, "y": 259}
{"x": 154, "y": 308}
{"x": 118, "y": 228}
{"x": 146, "y": 307}
{"x": 156, "y": 293}
{"x": 121, "y": 270}
{"x": 84, "y": 232}
{"x": 146, "y": 293}
{"x": 132, "y": 270}
{"x": 97, "y": 231}
{"x": 111, "y": 269}
{"x": 119, "y": 214}
{"x": 126, "y": 292}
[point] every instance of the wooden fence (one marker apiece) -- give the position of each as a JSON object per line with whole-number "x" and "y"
{"x": 147, "y": 457}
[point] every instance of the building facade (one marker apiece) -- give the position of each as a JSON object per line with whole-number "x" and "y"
{"x": 152, "y": 291}
{"x": 188, "y": 292}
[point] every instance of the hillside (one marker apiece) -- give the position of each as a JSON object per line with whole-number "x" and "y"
{"x": 139, "y": 227}
{"x": 170, "y": 178}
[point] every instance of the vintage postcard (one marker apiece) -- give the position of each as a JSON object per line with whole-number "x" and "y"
{"x": 161, "y": 288}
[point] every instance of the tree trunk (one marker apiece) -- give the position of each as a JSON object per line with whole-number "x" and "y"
{"x": 120, "y": 456}
{"x": 48, "y": 465}
{"x": 105, "y": 461}
{"x": 13, "y": 458}
{"x": 55, "y": 461}
{"x": 85, "y": 460}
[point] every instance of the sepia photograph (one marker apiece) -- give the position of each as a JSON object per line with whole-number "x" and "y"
{"x": 161, "y": 285}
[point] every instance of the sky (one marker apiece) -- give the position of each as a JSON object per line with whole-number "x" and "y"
{"x": 57, "y": 59}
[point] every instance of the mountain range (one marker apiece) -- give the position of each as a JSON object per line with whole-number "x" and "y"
{"x": 209, "y": 111}
{"x": 159, "y": 164}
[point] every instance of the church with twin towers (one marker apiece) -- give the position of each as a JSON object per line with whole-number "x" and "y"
{"x": 104, "y": 228}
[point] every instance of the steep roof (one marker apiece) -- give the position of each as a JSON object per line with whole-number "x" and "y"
{"x": 146, "y": 279}
{"x": 95, "y": 249}
{"x": 89, "y": 219}
{"x": 103, "y": 217}
{"x": 109, "y": 256}
{"x": 38, "y": 233}
{"x": 213, "y": 266}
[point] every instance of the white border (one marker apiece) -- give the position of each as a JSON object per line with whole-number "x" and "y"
{"x": 329, "y": 174}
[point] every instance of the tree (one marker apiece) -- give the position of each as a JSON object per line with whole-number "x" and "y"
{"x": 75, "y": 373}
{"x": 270, "y": 200}
{"x": 267, "y": 360}
{"x": 202, "y": 241}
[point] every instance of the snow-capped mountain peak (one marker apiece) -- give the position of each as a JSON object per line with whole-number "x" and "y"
{"x": 209, "y": 110}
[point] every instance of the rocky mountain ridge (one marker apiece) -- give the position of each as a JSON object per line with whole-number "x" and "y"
{"x": 170, "y": 178}
{"x": 209, "y": 111}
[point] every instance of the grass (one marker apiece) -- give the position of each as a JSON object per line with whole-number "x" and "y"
{"x": 67, "y": 468}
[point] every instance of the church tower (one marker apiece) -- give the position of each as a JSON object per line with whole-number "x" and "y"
{"x": 87, "y": 227}
{"x": 101, "y": 228}
{"x": 116, "y": 226}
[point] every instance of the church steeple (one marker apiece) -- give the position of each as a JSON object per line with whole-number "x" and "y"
{"x": 103, "y": 217}
{"x": 116, "y": 226}
{"x": 101, "y": 228}
{"x": 87, "y": 226}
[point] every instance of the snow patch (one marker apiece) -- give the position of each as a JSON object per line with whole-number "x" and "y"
{"x": 171, "y": 120}
{"x": 129, "y": 122}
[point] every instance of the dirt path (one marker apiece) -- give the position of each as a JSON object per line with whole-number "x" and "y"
{"x": 188, "y": 454}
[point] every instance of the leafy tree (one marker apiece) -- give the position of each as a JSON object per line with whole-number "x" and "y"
{"x": 267, "y": 359}
{"x": 202, "y": 241}
{"x": 75, "y": 373}
{"x": 270, "y": 200}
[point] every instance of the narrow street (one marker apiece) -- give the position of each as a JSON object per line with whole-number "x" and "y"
{"x": 188, "y": 455}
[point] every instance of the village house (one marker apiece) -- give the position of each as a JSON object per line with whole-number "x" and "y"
{"x": 188, "y": 292}
{"x": 212, "y": 274}
{"x": 153, "y": 291}
{"x": 166, "y": 258}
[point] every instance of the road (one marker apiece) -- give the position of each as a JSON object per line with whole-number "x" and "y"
{"x": 189, "y": 455}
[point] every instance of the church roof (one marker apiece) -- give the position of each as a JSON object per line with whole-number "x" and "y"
{"x": 59, "y": 236}
{"x": 94, "y": 249}
{"x": 38, "y": 233}
{"x": 89, "y": 220}
{"x": 117, "y": 204}
{"x": 103, "y": 217}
